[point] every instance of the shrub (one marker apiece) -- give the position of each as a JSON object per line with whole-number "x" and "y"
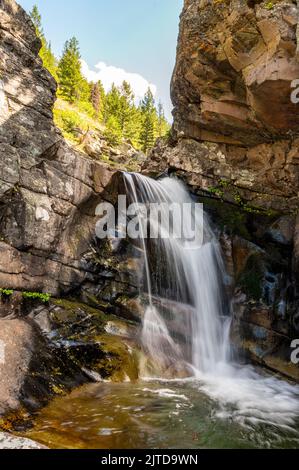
{"x": 37, "y": 295}
{"x": 6, "y": 292}
{"x": 68, "y": 120}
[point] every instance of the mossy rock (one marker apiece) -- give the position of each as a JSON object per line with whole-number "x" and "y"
{"x": 85, "y": 334}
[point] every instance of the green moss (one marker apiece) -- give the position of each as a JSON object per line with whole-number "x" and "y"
{"x": 225, "y": 191}
{"x": 118, "y": 363}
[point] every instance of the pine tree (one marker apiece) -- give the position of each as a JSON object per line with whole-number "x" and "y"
{"x": 148, "y": 117}
{"x": 128, "y": 115}
{"x": 126, "y": 101}
{"x": 72, "y": 85}
{"x": 46, "y": 54}
{"x": 112, "y": 104}
{"x": 113, "y": 132}
{"x": 161, "y": 121}
{"x": 37, "y": 20}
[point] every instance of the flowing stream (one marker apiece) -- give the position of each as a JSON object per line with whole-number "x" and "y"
{"x": 194, "y": 393}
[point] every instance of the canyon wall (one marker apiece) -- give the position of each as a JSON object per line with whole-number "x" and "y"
{"x": 48, "y": 191}
{"x": 235, "y": 142}
{"x": 48, "y": 196}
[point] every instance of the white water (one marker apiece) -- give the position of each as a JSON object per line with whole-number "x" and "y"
{"x": 192, "y": 275}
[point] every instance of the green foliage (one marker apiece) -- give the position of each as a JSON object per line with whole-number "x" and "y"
{"x": 6, "y": 292}
{"x": 46, "y": 54}
{"x": 86, "y": 107}
{"x": 113, "y": 132}
{"x": 148, "y": 116}
{"x": 72, "y": 85}
{"x": 224, "y": 185}
{"x": 68, "y": 121}
{"x": 162, "y": 127}
{"x": 37, "y": 295}
{"x": 27, "y": 295}
{"x": 117, "y": 110}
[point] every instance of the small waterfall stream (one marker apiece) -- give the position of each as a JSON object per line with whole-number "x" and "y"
{"x": 184, "y": 271}
{"x": 188, "y": 277}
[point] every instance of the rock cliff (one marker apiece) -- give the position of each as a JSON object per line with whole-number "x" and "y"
{"x": 235, "y": 142}
{"x": 48, "y": 196}
{"x": 48, "y": 191}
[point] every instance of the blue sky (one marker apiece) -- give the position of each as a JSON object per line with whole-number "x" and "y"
{"x": 122, "y": 36}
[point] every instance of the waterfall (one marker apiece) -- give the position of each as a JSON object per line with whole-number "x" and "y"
{"x": 186, "y": 322}
{"x": 185, "y": 275}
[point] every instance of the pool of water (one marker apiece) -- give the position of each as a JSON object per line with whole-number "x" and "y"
{"x": 162, "y": 414}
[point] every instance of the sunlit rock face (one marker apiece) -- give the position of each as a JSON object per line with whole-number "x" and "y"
{"x": 235, "y": 64}
{"x": 48, "y": 191}
{"x": 231, "y": 89}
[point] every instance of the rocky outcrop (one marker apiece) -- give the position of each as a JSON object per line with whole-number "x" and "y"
{"x": 235, "y": 142}
{"x": 235, "y": 65}
{"x": 46, "y": 349}
{"x": 48, "y": 196}
{"x": 234, "y": 119}
{"x": 48, "y": 191}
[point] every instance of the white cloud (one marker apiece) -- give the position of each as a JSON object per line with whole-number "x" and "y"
{"x": 109, "y": 74}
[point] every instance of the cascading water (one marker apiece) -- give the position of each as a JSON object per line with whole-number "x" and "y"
{"x": 186, "y": 321}
{"x": 184, "y": 271}
{"x": 192, "y": 394}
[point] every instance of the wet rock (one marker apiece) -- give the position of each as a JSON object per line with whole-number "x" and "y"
{"x": 282, "y": 230}
{"x": 59, "y": 346}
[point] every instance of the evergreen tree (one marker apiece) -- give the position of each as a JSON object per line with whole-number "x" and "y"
{"x": 126, "y": 101}
{"x": 113, "y": 132}
{"x": 148, "y": 117}
{"x": 37, "y": 20}
{"x": 162, "y": 124}
{"x": 128, "y": 115}
{"x": 46, "y": 54}
{"x": 85, "y": 90}
{"x": 72, "y": 85}
{"x": 112, "y": 104}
